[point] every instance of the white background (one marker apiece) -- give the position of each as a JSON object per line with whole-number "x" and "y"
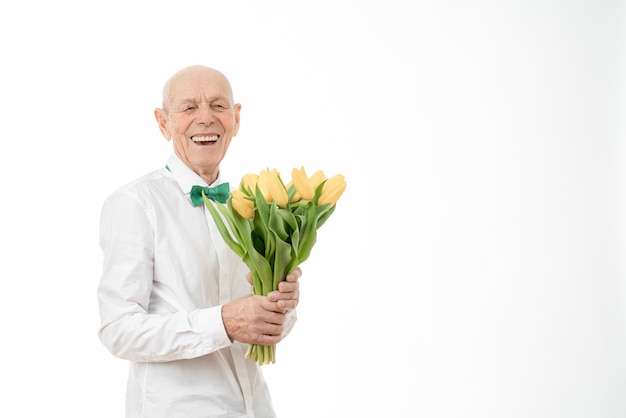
{"x": 475, "y": 264}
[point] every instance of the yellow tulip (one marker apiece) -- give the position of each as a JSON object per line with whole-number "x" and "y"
{"x": 332, "y": 190}
{"x": 248, "y": 183}
{"x": 272, "y": 188}
{"x": 243, "y": 206}
{"x": 279, "y": 193}
{"x": 303, "y": 185}
{"x": 317, "y": 178}
{"x": 263, "y": 183}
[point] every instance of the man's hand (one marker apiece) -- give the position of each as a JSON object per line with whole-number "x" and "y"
{"x": 259, "y": 319}
{"x": 253, "y": 320}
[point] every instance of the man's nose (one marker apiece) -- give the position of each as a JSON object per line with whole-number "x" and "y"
{"x": 206, "y": 114}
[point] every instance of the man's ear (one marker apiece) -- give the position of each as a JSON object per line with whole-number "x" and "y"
{"x": 161, "y": 118}
{"x": 237, "y": 116}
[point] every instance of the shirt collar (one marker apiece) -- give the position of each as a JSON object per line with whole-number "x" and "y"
{"x": 186, "y": 177}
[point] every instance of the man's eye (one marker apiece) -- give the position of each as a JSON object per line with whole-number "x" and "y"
{"x": 189, "y": 108}
{"x": 218, "y": 107}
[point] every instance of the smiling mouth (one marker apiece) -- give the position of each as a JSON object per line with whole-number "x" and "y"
{"x": 207, "y": 139}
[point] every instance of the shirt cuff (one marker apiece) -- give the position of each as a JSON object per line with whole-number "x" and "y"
{"x": 211, "y": 327}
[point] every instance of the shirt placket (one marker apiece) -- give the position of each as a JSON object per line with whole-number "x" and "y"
{"x": 225, "y": 297}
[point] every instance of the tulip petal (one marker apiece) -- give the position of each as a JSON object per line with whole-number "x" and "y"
{"x": 303, "y": 185}
{"x": 332, "y": 190}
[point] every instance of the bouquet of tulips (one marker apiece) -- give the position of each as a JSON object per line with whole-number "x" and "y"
{"x": 273, "y": 227}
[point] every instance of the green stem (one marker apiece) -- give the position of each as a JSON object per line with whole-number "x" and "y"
{"x": 261, "y": 354}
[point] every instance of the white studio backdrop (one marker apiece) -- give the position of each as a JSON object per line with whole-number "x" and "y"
{"x": 473, "y": 268}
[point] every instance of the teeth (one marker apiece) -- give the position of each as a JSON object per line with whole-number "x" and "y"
{"x": 211, "y": 138}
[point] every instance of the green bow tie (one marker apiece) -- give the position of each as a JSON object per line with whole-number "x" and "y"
{"x": 218, "y": 194}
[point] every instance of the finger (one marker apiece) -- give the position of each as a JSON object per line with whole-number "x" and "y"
{"x": 288, "y": 287}
{"x": 283, "y": 295}
{"x": 278, "y": 307}
{"x": 285, "y": 291}
{"x": 294, "y": 275}
{"x": 275, "y": 296}
{"x": 266, "y": 330}
{"x": 286, "y": 305}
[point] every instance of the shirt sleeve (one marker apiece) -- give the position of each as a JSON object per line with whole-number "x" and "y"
{"x": 127, "y": 329}
{"x": 290, "y": 321}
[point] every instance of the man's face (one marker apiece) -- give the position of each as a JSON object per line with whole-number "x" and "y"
{"x": 201, "y": 118}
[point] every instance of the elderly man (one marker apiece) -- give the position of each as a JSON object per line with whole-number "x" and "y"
{"x": 174, "y": 299}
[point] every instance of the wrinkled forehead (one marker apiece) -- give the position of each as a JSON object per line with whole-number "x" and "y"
{"x": 197, "y": 86}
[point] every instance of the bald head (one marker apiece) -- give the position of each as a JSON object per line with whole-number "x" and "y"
{"x": 194, "y": 74}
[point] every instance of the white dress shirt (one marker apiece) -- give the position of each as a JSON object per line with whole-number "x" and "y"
{"x": 167, "y": 272}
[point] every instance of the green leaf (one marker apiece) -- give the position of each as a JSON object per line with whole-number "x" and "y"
{"x": 236, "y": 222}
{"x": 293, "y": 230}
{"x": 234, "y": 245}
{"x": 261, "y": 272}
{"x": 276, "y": 224}
{"x": 322, "y": 213}
{"x": 309, "y": 235}
{"x": 258, "y": 242}
{"x": 306, "y": 246}
{"x": 291, "y": 191}
{"x": 281, "y": 262}
{"x": 288, "y": 218}
{"x": 261, "y": 224}
{"x": 259, "y": 267}
{"x": 262, "y": 206}
{"x": 318, "y": 191}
